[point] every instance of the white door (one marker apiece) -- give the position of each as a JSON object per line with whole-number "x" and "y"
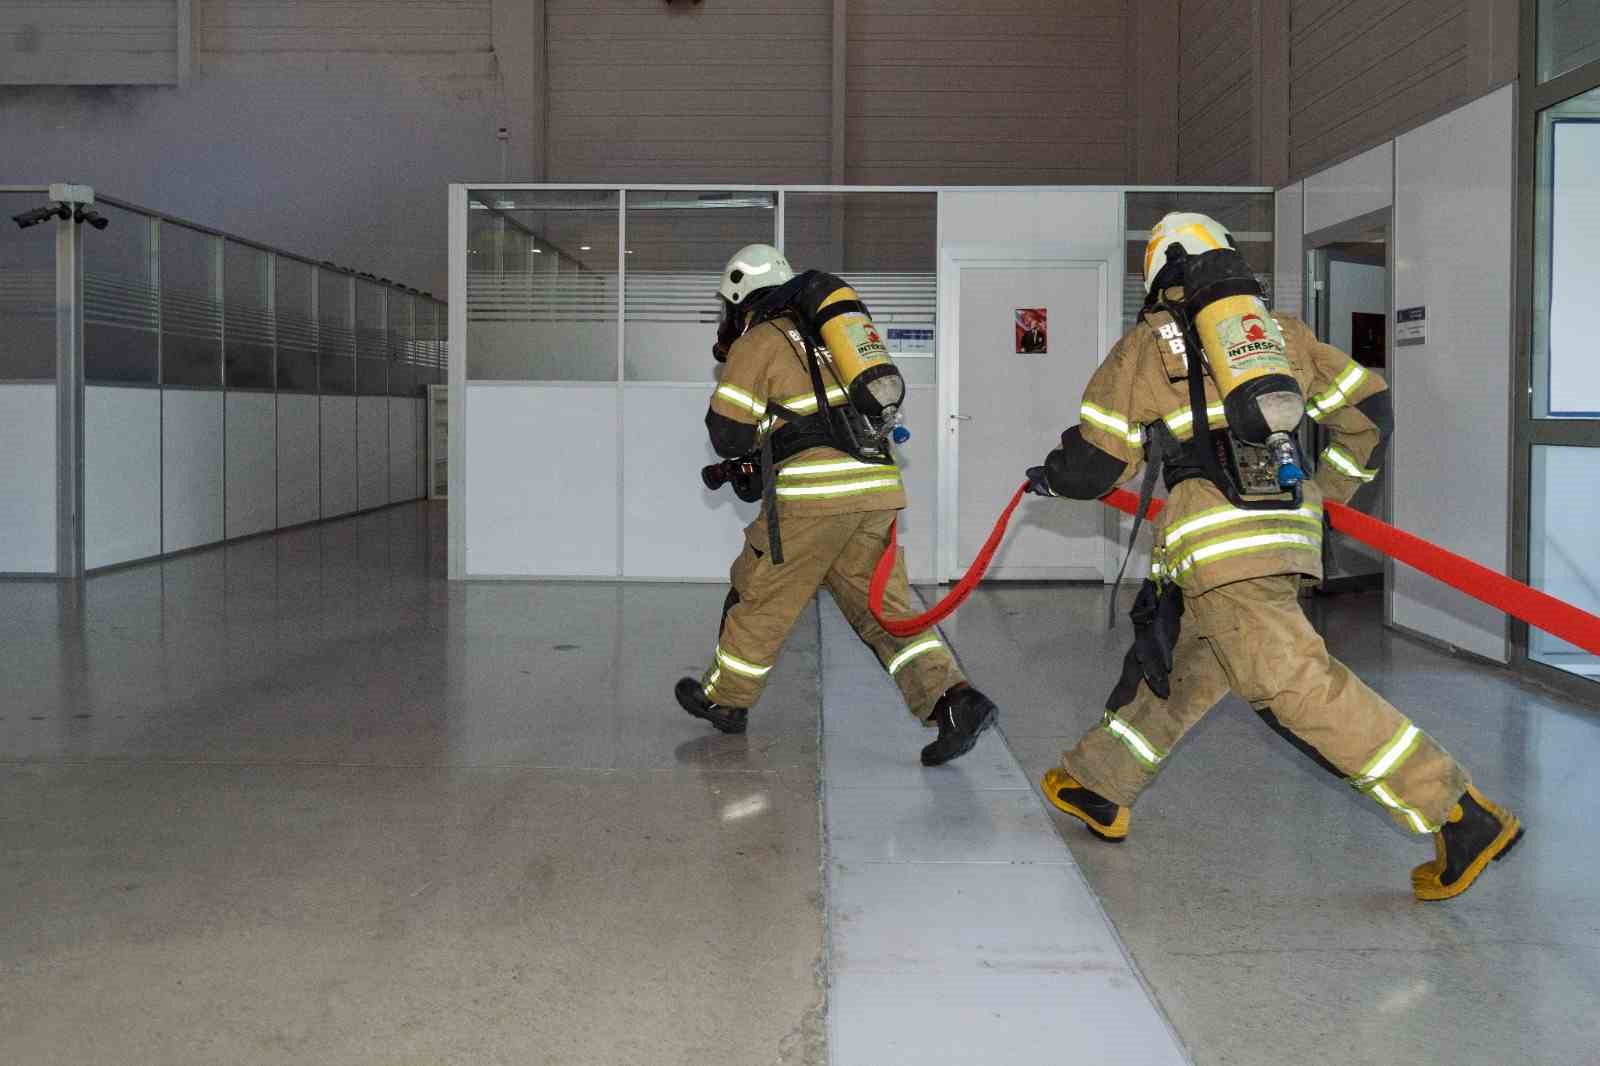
{"x": 1012, "y": 405}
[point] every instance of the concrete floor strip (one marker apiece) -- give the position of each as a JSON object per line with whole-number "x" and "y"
{"x": 960, "y": 928}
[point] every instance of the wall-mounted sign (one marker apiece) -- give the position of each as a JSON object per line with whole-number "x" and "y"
{"x": 1032, "y": 326}
{"x": 910, "y": 341}
{"x": 1410, "y": 326}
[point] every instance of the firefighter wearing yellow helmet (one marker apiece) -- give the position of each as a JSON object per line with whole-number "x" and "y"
{"x": 803, "y": 413}
{"x": 1209, "y": 389}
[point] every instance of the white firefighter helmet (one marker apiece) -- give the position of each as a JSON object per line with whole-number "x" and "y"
{"x": 1195, "y": 232}
{"x": 753, "y": 268}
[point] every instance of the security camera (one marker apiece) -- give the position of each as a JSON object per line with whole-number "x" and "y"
{"x": 92, "y": 217}
{"x": 41, "y": 214}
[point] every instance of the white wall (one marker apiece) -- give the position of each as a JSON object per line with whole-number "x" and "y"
{"x": 121, "y": 475}
{"x": 1352, "y": 288}
{"x": 338, "y": 455}
{"x": 402, "y": 448}
{"x": 271, "y": 128}
{"x": 541, "y": 483}
{"x": 1350, "y": 189}
{"x": 299, "y": 476}
{"x": 372, "y": 443}
{"x": 191, "y": 468}
{"x": 672, "y": 526}
{"x": 1450, "y": 457}
{"x": 1089, "y": 222}
{"x": 28, "y": 479}
{"x": 252, "y": 465}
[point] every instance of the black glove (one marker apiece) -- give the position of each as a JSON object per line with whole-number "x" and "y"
{"x": 1038, "y": 482}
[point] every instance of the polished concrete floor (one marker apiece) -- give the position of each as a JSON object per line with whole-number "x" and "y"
{"x": 1269, "y": 907}
{"x": 301, "y": 800}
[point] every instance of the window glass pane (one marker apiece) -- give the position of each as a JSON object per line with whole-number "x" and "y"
{"x": 1569, "y": 36}
{"x": 121, "y": 309}
{"x": 294, "y": 325}
{"x": 402, "y": 344}
{"x": 1248, "y": 216}
{"x": 247, "y": 316}
{"x": 427, "y": 345}
{"x": 191, "y": 307}
{"x": 372, "y": 345}
{"x": 1565, "y": 512}
{"x": 542, "y": 286}
{"x": 1566, "y": 376}
{"x": 336, "y": 334}
{"x": 678, "y": 243}
{"x": 27, "y": 293}
{"x": 885, "y": 245}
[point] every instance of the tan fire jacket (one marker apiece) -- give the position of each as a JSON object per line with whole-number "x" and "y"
{"x": 768, "y": 365}
{"x": 1203, "y": 541}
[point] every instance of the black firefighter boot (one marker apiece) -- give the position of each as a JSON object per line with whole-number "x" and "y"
{"x": 1474, "y": 832}
{"x": 692, "y": 698}
{"x": 962, "y": 714}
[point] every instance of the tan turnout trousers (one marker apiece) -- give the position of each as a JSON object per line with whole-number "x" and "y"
{"x": 841, "y": 552}
{"x": 1251, "y": 637}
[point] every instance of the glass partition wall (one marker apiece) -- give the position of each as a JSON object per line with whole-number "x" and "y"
{"x": 208, "y": 364}
{"x": 1556, "y": 465}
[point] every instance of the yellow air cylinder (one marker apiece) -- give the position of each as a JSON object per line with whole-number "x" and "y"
{"x": 857, "y": 353}
{"x": 1241, "y": 341}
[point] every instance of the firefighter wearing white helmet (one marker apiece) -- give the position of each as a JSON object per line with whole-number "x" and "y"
{"x": 767, "y": 420}
{"x": 1208, "y": 389}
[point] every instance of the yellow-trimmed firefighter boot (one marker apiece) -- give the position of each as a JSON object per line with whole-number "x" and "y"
{"x": 1105, "y": 819}
{"x": 1475, "y": 832}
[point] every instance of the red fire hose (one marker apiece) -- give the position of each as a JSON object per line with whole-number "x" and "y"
{"x": 1538, "y": 609}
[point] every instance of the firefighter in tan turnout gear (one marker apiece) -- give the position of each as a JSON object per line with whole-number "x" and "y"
{"x": 1212, "y": 386}
{"x": 802, "y": 413}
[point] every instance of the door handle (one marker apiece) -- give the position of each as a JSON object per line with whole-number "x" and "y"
{"x": 962, "y": 418}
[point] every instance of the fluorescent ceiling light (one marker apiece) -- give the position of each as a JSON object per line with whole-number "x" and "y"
{"x": 584, "y": 248}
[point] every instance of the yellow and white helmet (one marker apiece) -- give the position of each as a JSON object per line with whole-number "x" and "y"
{"x": 1195, "y": 232}
{"x": 753, "y": 268}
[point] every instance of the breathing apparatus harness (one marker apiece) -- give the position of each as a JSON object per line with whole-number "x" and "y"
{"x": 865, "y": 426}
{"x": 1254, "y": 461}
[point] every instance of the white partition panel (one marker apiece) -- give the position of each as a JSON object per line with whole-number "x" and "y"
{"x": 1288, "y": 253}
{"x": 1350, "y": 189}
{"x": 419, "y": 421}
{"x": 121, "y": 475}
{"x": 919, "y": 467}
{"x": 372, "y": 443}
{"x": 299, "y": 475}
{"x": 28, "y": 479}
{"x": 338, "y": 455}
{"x": 541, "y": 486}
{"x": 402, "y": 448}
{"x": 191, "y": 468}
{"x": 252, "y": 463}
{"x": 1450, "y": 459}
{"x": 673, "y": 528}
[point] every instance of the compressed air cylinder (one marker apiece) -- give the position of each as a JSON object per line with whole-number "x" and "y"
{"x": 856, "y": 351}
{"x": 1245, "y": 350}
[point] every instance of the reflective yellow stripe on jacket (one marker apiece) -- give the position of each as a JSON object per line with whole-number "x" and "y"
{"x": 835, "y": 479}
{"x": 1227, "y": 532}
{"x": 1111, "y": 422}
{"x": 1349, "y": 380}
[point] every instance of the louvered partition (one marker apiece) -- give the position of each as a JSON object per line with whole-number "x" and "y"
{"x": 222, "y": 387}
{"x": 590, "y": 315}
